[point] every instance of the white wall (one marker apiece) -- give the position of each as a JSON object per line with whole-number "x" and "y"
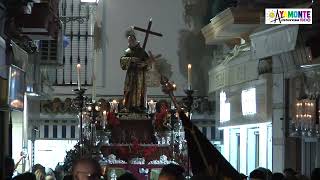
{"x": 247, "y": 146}
{"x": 118, "y": 15}
{"x": 51, "y": 152}
{"x": 17, "y": 130}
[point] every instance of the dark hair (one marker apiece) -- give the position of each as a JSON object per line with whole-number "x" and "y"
{"x": 173, "y": 170}
{"x": 95, "y": 164}
{"x": 9, "y": 166}
{"x": 127, "y": 176}
{"x": 9, "y": 161}
{"x": 38, "y": 166}
{"x": 277, "y": 176}
{"x": 315, "y": 174}
{"x": 289, "y": 171}
{"x": 25, "y": 176}
{"x": 202, "y": 177}
{"x": 243, "y": 176}
{"x": 258, "y": 173}
{"x": 68, "y": 177}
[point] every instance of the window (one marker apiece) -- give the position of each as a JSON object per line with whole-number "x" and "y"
{"x": 252, "y": 149}
{"x": 78, "y": 45}
{"x": 248, "y": 101}
{"x": 204, "y": 131}
{"x": 46, "y": 131}
{"x": 213, "y": 132}
{"x": 73, "y": 132}
{"x": 55, "y": 131}
{"x": 64, "y": 131}
{"x": 257, "y": 148}
{"x": 224, "y": 108}
{"x": 238, "y": 151}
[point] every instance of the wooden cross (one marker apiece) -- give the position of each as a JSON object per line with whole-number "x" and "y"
{"x": 147, "y": 31}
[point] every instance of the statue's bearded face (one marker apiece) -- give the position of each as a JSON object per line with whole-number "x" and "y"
{"x": 132, "y": 42}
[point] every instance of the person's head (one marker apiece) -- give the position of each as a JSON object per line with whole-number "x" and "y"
{"x": 59, "y": 172}
{"x": 68, "y": 177}
{"x": 257, "y": 174}
{"x": 50, "y": 174}
{"x": 172, "y": 172}
{"x": 38, "y": 167}
{"x": 243, "y": 176}
{"x": 86, "y": 169}
{"x": 277, "y": 176}
{"x": 50, "y": 177}
{"x": 132, "y": 41}
{"x": 289, "y": 172}
{"x": 315, "y": 174}
{"x": 202, "y": 177}
{"x": 25, "y": 176}
{"x": 9, "y": 166}
{"x": 127, "y": 176}
{"x": 301, "y": 177}
{"x": 40, "y": 175}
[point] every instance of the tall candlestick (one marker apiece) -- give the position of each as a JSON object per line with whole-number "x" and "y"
{"x": 94, "y": 88}
{"x": 94, "y": 80}
{"x": 78, "y": 73}
{"x": 104, "y": 113}
{"x": 189, "y": 76}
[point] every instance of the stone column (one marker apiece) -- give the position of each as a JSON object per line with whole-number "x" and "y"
{"x": 278, "y": 116}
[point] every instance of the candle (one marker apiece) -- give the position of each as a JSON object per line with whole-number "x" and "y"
{"x": 174, "y": 86}
{"x": 104, "y": 113}
{"x": 189, "y": 76}
{"x": 94, "y": 88}
{"x": 152, "y": 106}
{"x": 114, "y": 106}
{"x": 104, "y": 122}
{"x": 78, "y": 73}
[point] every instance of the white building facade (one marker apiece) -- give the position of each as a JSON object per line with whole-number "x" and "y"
{"x": 243, "y": 111}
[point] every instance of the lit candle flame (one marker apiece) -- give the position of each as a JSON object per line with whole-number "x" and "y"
{"x": 189, "y": 76}
{"x": 78, "y": 74}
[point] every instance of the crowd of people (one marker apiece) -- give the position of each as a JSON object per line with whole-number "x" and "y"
{"x": 90, "y": 169}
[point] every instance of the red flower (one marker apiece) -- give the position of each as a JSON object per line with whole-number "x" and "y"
{"x": 123, "y": 151}
{"x": 149, "y": 151}
{"x": 112, "y": 119}
{"x": 135, "y": 146}
{"x": 160, "y": 117}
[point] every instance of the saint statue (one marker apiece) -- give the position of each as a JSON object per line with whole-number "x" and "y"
{"x": 135, "y": 62}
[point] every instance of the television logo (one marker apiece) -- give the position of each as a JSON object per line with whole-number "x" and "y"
{"x": 288, "y": 16}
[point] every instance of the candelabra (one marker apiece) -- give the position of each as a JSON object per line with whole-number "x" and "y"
{"x": 79, "y": 104}
{"x": 187, "y": 102}
{"x": 305, "y": 124}
{"x": 94, "y": 119}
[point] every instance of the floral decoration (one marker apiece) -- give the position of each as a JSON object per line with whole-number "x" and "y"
{"x": 112, "y": 120}
{"x": 161, "y": 118}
